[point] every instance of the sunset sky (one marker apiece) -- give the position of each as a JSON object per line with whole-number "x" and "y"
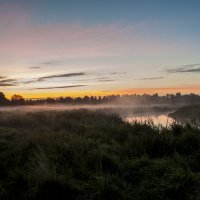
{"x": 95, "y": 47}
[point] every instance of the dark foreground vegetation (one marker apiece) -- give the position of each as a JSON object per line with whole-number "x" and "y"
{"x": 191, "y": 113}
{"x": 90, "y": 155}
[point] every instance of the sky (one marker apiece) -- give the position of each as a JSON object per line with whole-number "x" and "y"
{"x": 91, "y": 47}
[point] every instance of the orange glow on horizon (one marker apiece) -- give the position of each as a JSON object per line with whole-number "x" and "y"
{"x": 160, "y": 91}
{"x": 140, "y": 91}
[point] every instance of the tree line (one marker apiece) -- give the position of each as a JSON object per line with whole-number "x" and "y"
{"x": 177, "y": 98}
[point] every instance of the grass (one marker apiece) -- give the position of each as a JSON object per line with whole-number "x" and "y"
{"x": 90, "y": 155}
{"x": 188, "y": 113}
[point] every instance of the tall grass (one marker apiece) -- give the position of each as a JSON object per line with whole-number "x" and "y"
{"x": 90, "y": 155}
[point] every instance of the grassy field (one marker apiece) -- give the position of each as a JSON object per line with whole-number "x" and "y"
{"x": 89, "y": 155}
{"x": 187, "y": 113}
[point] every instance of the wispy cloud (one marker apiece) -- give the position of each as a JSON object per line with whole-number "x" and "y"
{"x": 96, "y": 79}
{"x": 61, "y": 76}
{"x": 35, "y": 67}
{"x": 43, "y": 78}
{"x": 8, "y": 82}
{"x": 3, "y": 77}
{"x": 29, "y": 82}
{"x": 191, "y": 65}
{"x": 51, "y": 62}
{"x": 152, "y": 78}
{"x": 191, "y": 68}
{"x": 58, "y": 87}
{"x": 105, "y": 80}
{"x": 117, "y": 73}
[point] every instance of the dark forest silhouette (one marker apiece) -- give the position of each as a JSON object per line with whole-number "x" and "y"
{"x": 172, "y": 99}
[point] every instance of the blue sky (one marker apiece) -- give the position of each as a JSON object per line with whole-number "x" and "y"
{"x": 94, "y": 47}
{"x": 108, "y": 11}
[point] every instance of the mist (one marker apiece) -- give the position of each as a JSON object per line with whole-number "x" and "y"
{"x": 106, "y": 107}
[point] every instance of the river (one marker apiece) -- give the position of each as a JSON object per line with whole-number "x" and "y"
{"x": 157, "y": 119}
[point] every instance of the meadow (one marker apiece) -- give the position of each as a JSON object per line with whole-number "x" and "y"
{"x": 189, "y": 113}
{"x": 86, "y": 155}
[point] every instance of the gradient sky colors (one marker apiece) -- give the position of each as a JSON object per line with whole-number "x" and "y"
{"x": 92, "y": 47}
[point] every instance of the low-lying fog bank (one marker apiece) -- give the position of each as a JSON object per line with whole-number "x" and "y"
{"x": 111, "y": 107}
{"x": 156, "y": 113}
{"x": 163, "y": 115}
{"x": 159, "y": 114}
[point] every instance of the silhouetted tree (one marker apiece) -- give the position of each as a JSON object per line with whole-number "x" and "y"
{"x": 3, "y": 100}
{"x": 17, "y": 100}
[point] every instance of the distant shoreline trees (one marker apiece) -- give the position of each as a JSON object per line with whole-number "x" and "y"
{"x": 132, "y": 99}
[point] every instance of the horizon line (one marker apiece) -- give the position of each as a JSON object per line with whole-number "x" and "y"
{"x": 121, "y": 92}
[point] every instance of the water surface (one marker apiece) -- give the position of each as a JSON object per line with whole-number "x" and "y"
{"x": 161, "y": 119}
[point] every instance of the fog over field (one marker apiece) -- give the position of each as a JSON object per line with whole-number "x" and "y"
{"x": 156, "y": 113}
{"x": 33, "y": 108}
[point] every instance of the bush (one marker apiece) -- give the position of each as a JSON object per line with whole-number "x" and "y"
{"x": 91, "y": 155}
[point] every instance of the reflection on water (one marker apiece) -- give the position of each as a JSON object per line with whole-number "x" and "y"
{"x": 162, "y": 119}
